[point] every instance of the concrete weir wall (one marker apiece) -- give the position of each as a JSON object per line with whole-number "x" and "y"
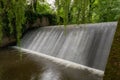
{"x": 86, "y": 44}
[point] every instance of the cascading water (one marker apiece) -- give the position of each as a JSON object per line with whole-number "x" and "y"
{"x": 87, "y": 44}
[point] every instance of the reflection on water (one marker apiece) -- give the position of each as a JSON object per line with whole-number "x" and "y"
{"x": 50, "y": 74}
{"x": 11, "y": 68}
{"x": 33, "y": 67}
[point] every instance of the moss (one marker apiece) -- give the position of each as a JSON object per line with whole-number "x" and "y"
{"x": 112, "y": 71}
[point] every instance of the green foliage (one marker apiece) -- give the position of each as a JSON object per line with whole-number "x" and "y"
{"x": 87, "y": 11}
{"x": 43, "y": 8}
{"x": 12, "y": 13}
{"x": 63, "y": 7}
{"x": 110, "y": 10}
{"x": 1, "y": 34}
{"x": 72, "y": 11}
{"x": 12, "y": 17}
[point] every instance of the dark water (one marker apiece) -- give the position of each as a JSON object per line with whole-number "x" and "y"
{"x": 33, "y": 67}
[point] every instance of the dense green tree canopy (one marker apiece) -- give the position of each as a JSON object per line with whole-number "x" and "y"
{"x": 12, "y": 17}
{"x": 87, "y": 11}
{"x": 12, "y": 13}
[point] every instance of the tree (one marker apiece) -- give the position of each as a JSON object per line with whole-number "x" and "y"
{"x": 87, "y": 11}
{"x": 12, "y": 17}
{"x": 109, "y": 10}
{"x": 12, "y": 13}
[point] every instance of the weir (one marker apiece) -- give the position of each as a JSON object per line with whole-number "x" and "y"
{"x": 86, "y": 44}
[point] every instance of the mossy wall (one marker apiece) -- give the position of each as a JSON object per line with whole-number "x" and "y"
{"x": 112, "y": 71}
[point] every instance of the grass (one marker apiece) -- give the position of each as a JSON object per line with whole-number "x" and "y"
{"x": 112, "y": 71}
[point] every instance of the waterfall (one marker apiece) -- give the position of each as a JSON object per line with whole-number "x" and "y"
{"x": 86, "y": 44}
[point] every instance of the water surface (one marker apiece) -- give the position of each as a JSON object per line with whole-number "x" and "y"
{"x": 33, "y": 67}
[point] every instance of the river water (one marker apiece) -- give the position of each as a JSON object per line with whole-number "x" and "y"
{"x": 33, "y": 67}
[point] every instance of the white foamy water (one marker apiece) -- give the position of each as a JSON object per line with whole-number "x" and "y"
{"x": 87, "y": 44}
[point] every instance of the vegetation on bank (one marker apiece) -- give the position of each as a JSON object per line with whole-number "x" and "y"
{"x": 12, "y": 16}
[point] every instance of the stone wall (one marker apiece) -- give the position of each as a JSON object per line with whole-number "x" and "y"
{"x": 39, "y": 22}
{"x": 7, "y": 41}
